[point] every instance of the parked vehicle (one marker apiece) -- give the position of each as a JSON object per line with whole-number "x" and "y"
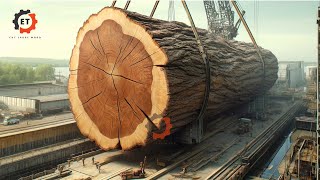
{"x": 10, "y": 121}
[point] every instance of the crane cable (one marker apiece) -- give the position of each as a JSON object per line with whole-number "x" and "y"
{"x": 171, "y": 13}
{"x": 154, "y": 8}
{"x": 254, "y": 15}
{"x": 235, "y": 5}
{"x": 256, "y": 18}
{"x": 240, "y": 7}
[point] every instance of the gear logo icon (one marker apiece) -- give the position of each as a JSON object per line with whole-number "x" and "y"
{"x": 25, "y": 21}
{"x": 166, "y": 132}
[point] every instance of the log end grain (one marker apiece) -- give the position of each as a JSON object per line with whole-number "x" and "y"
{"x": 115, "y": 80}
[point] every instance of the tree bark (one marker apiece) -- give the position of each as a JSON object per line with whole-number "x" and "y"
{"x": 127, "y": 71}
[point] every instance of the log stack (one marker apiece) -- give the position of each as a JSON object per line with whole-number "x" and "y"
{"x": 127, "y": 71}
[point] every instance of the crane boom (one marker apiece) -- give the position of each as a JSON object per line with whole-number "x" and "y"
{"x": 221, "y": 18}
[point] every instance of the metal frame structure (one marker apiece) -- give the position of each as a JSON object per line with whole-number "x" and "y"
{"x": 221, "y": 18}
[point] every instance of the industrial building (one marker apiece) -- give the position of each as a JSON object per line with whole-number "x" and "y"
{"x": 294, "y": 73}
{"x": 52, "y": 103}
{"x": 32, "y": 89}
{"x": 42, "y": 98}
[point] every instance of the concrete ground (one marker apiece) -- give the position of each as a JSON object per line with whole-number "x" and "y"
{"x": 219, "y": 149}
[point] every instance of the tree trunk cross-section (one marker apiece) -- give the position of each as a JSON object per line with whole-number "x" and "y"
{"x": 127, "y": 71}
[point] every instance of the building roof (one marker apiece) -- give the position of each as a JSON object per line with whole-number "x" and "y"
{"x": 306, "y": 119}
{"x": 8, "y": 90}
{"x": 54, "y": 97}
{"x": 28, "y": 85}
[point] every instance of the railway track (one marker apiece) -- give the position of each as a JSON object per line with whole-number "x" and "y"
{"x": 34, "y": 126}
{"x": 197, "y": 149}
{"x": 230, "y": 168}
{"x": 234, "y": 164}
{"x": 190, "y": 155}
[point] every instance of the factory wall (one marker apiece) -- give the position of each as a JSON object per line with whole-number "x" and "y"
{"x": 12, "y": 170}
{"x": 46, "y": 107}
{"x": 25, "y": 141}
{"x": 20, "y": 104}
{"x": 32, "y": 90}
{"x": 34, "y": 105}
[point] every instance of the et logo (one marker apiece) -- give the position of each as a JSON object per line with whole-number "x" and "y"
{"x": 25, "y": 21}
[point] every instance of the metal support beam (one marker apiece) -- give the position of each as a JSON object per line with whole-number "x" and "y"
{"x": 318, "y": 78}
{"x": 250, "y": 34}
{"x": 197, "y": 126}
{"x": 127, "y": 4}
{"x": 154, "y": 8}
{"x": 299, "y": 156}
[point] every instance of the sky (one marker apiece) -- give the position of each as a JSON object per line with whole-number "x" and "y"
{"x": 287, "y": 28}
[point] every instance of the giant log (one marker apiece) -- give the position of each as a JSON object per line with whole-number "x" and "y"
{"x": 127, "y": 71}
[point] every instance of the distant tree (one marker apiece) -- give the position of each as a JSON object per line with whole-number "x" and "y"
{"x": 44, "y": 72}
{"x": 18, "y": 73}
{"x": 30, "y": 74}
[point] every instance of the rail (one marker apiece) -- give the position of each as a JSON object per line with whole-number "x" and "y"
{"x": 234, "y": 163}
{"x": 41, "y": 150}
{"x": 114, "y": 174}
{"x": 203, "y": 145}
{"x": 34, "y": 126}
{"x": 249, "y": 151}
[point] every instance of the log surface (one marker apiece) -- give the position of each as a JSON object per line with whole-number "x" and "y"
{"x": 127, "y": 70}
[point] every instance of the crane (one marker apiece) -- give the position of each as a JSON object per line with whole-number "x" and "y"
{"x": 221, "y": 18}
{"x": 221, "y": 21}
